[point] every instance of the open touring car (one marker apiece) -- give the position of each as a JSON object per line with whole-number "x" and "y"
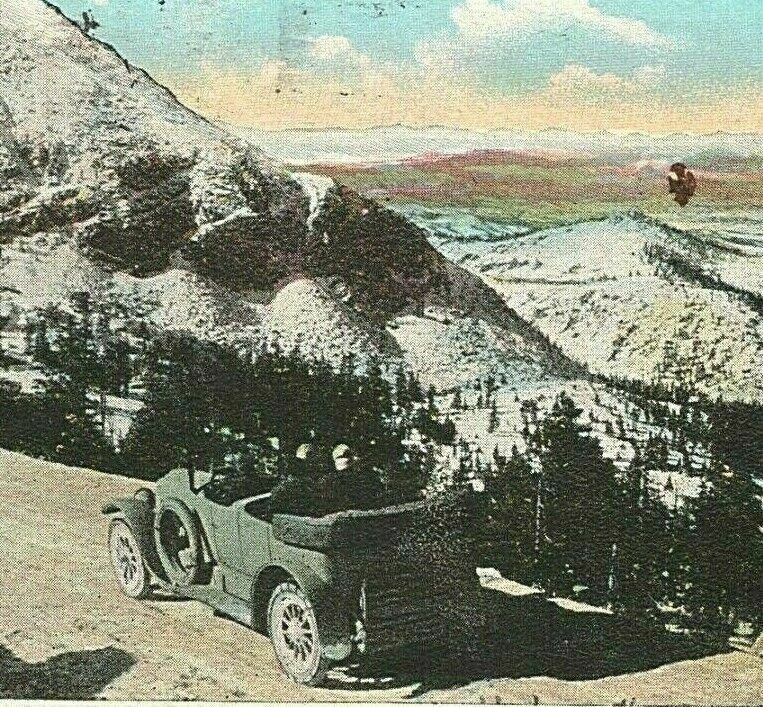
{"x": 324, "y": 589}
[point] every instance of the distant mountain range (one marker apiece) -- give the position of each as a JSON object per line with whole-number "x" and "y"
{"x": 396, "y": 143}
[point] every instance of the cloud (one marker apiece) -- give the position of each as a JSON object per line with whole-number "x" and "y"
{"x": 280, "y": 95}
{"x": 576, "y": 78}
{"x": 331, "y": 47}
{"x": 485, "y": 19}
{"x": 582, "y": 80}
{"x": 583, "y": 85}
{"x": 437, "y": 56}
{"x": 650, "y": 75}
{"x": 337, "y": 85}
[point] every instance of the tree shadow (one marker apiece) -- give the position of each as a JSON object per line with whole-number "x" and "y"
{"x": 525, "y": 637}
{"x": 79, "y": 675}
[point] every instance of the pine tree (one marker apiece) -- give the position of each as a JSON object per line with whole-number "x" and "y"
{"x": 64, "y": 349}
{"x": 206, "y": 405}
{"x": 415, "y": 391}
{"x": 116, "y": 366}
{"x": 431, "y": 393}
{"x": 581, "y": 501}
{"x": 644, "y": 546}
{"x": 402, "y": 392}
{"x": 513, "y": 488}
{"x": 493, "y": 421}
{"x": 726, "y": 552}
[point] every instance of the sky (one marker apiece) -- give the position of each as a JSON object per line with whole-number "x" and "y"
{"x": 644, "y": 65}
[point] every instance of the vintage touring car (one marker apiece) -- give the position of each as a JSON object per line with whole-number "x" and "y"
{"x": 325, "y": 589}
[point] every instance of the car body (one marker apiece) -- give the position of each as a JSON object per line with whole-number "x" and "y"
{"x": 350, "y": 583}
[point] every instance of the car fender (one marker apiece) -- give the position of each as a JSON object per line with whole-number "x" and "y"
{"x": 323, "y": 595}
{"x": 139, "y": 515}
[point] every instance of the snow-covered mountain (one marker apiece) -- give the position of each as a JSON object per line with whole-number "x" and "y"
{"x": 109, "y": 182}
{"x": 632, "y": 296}
{"x": 60, "y": 85}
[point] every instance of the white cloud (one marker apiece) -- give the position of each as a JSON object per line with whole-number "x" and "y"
{"x": 577, "y": 97}
{"x": 576, "y": 78}
{"x": 481, "y": 19}
{"x": 650, "y": 75}
{"x": 331, "y": 48}
{"x": 578, "y": 82}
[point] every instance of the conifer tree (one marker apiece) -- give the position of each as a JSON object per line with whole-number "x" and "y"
{"x": 512, "y": 486}
{"x": 580, "y": 500}
{"x": 726, "y": 552}
{"x": 64, "y": 348}
{"x": 493, "y": 420}
{"x": 644, "y": 546}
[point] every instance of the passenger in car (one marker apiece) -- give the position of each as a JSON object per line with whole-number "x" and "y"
{"x": 297, "y": 492}
{"x": 357, "y": 488}
{"x": 318, "y": 483}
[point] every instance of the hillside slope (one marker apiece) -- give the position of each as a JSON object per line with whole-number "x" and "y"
{"x": 59, "y": 84}
{"x": 634, "y": 297}
{"x": 110, "y": 182}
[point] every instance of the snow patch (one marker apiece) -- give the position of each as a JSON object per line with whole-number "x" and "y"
{"x": 316, "y": 187}
{"x": 303, "y": 315}
{"x": 451, "y": 353}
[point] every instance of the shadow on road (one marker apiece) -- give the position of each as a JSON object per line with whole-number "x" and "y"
{"x": 77, "y": 675}
{"x": 525, "y": 637}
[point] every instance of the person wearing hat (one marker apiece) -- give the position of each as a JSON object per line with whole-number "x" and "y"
{"x": 317, "y": 484}
{"x": 296, "y": 493}
{"x": 356, "y": 488}
{"x": 343, "y": 457}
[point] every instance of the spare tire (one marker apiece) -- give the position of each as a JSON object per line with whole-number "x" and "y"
{"x": 178, "y": 542}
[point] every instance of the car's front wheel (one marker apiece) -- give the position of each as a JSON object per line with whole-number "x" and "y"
{"x": 293, "y": 630}
{"x": 127, "y": 560}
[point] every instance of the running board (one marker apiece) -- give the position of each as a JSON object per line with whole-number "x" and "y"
{"x": 222, "y": 602}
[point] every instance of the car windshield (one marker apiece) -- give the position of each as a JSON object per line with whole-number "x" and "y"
{"x": 229, "y": 485}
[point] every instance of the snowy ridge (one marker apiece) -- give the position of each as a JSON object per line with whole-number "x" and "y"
{"x": 302, "y": 315}
{"x": 687, "y": 311}
{"x": 152, "y": 201}
{"x": 452, "y": 352}
{"x": 106, "y": 100}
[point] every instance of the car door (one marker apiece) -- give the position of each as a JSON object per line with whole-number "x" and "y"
{"x": 242, "y": 541}
{"x": 226, "y": 534}
{"x": 255, "y": 533}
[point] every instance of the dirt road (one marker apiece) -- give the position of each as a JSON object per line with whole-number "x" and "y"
{"x": 66, "y": 630}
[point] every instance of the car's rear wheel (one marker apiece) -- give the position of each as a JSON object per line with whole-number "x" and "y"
{"x": 293, "y": 630}
{"x": 127, "y": 560}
